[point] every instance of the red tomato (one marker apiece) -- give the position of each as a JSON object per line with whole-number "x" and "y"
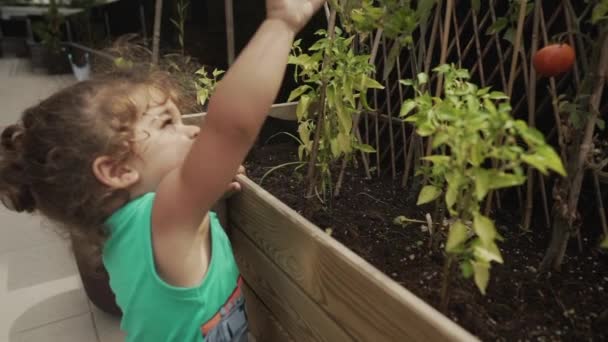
{"x": 554, "y": 59}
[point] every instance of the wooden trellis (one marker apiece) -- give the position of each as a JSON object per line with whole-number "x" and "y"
{"x": 458, "y": 34}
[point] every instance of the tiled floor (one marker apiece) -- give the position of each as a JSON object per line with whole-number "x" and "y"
{"x": 41, "y": 295}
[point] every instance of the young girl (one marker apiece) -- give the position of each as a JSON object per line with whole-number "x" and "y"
{"x": 111, "y": 160}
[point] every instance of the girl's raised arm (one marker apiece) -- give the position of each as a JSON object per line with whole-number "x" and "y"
{"x": 236, "y": 112}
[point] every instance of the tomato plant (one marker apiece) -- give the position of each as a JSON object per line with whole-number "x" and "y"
{"x": 397, "y": 18}
{"x": 205, "y": 85}
{"x": 470, "y": 127}
{"x": 347, "y": 80}
{"x": 554, "y": 59}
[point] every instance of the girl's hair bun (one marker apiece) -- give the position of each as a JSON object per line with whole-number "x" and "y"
{"x": 15, "y": 192}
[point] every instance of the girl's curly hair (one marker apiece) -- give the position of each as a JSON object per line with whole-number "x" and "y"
{"x": 46, "y": 159}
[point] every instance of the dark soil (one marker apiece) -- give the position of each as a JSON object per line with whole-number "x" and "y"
{"x": 520, "y": 304}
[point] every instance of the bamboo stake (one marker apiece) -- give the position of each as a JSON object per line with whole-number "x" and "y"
{"x": 471, "y": 42}
{"x": 478, "y": 49}
{"x": 457, "y": 36}
{"x": 390, "y": 113}
{"x": 514, "y": 59}
{"x": 158, "y": 9}
{"x": 444, "y": 48}
{"x": 531, "y": 122}
{"x": 433, "y": 39}
{"x": 501, "y": 58}
{"x": 442, "y": 58}
{"x": 570, "y": 27}
{"x": 403, "y": 131}
{"x": 571, "y": 17}
{"x": 518, "y": 38}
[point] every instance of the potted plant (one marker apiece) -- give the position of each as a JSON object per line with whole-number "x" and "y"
{"x": 49, "y": 53}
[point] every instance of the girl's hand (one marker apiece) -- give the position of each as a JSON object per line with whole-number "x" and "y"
{"x": 235, "y": 186}
{"x": 295, "y": 13}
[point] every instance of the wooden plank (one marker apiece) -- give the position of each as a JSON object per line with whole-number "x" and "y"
{"x": 360, "y": 298}
{"x": 301, "y": 317}
{"x": 262, "y": 323}
{"x": 283, "y": 111}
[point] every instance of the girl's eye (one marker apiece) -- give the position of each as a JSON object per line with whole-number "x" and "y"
{"x": 166, "y": 123}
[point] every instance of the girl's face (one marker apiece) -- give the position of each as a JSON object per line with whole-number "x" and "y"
{"x": 162, "y": 140}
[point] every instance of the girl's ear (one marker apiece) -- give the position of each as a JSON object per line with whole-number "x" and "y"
{"x": 114, "y": 175}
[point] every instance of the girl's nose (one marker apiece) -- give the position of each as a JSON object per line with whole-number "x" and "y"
{"x": 192, "y": 131}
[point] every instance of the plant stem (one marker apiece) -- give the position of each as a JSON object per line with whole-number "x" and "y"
{"x": 356, "y": 120}
{"x": 565, "y": 209}
{"x": 445, "y": 284}
{"x": 311, "y": 175}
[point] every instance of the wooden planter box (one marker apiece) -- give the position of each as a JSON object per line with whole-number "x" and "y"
{"x": 303, "y": 285}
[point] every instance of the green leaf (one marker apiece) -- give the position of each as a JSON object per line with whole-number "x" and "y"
{"x": 427, "y": 194}
{"x": 499, "y": 180}
{"x": 407, "y": 82}
{"x": 442, "y": 69}
{"x": 601, "y": 124}
{"x": 407, "y": 107}
{"x": 489, "y": 105}
{"x": 298, "y": 91}
{"x": 345, "y": 120}
{"x": 440, "y": 138}
{"x": 477, "y": 154}
{"x": 217, "y": 72}
{"x": 498, "y": 95}
{"x": 466, "y": 269}
{"x": 604, "y": 243}
{"x": 476, "y": 4}
{"x": 482, "y": 183}
{"x": 510, "y": 35}
{"x": 425, "y": 129}
{"x": 456, "y": 236}
{"x": 482, "y": 275}
{"x": 371, "y": 83}
{"x": 545, "y": 158}
{"x": 535, "y": 161}
{"x": 454, "y": 180}
{"x": 488, "y": 253}
{"x": 334, "y": 147}
{"x": 498, "y": 25}
{"x": 345, "y": 142}
{"x": 484, "y": 228}
{"x": 424, "y": 9}
{"x": 486, "y": 180}
{"x": 422, "y": 78}
{"x": 600, "y": 12}
{"x": 304, "y": 132}
{"x": 438, "y": 159}
{"x": 531, "y": 136}
{"x": 365, "y": 148}
{"x": 391, "y": 59}
{"x": 302, "y": 108}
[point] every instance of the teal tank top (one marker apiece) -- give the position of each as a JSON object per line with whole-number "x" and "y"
{"x": 153, "y": 310}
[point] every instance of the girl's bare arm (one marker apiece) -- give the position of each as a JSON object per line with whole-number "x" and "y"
{"x": 236, "y": 112}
